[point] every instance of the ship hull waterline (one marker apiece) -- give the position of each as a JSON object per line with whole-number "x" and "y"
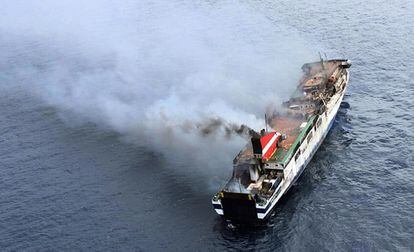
{"x": 295, "y": 168}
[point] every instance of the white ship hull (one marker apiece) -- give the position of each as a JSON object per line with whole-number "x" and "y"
{"x": 297, "y": 165}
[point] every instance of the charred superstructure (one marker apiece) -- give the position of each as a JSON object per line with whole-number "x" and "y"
{"x": 267, "y": 167}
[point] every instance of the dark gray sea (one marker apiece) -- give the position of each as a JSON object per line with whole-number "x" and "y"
{"x": 79, "y": 186}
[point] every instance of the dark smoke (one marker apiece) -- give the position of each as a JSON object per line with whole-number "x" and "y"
{"x": 215, "y": 125}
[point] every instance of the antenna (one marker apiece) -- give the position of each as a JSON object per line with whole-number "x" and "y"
{"x": 323, "y": 65}
{"x": 320, "y": 57}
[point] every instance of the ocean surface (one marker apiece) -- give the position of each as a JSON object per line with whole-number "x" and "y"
{"x": 78, "y": 186}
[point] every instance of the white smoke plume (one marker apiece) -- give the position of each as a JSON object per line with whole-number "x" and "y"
{"x": 159, "y": 69}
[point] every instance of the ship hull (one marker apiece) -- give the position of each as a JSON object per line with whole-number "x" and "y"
{"x": 296, "y": 166}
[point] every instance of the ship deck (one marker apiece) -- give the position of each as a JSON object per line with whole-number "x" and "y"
{"x": 290, "y": 128}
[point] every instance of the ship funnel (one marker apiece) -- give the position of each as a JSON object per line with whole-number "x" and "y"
{"x": 257, "y": 146}
{"x": 264, "y": 147}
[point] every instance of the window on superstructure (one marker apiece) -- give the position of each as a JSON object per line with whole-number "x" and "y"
{"x": 297, "y": 155}
{"x": 319, "y": 122}
{"x": 309, "y": 137}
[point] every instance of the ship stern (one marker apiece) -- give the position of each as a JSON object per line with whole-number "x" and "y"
{"x": 240, "y": 207}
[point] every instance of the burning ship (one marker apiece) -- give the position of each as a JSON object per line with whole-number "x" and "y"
{"x": 269, "y": 165}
